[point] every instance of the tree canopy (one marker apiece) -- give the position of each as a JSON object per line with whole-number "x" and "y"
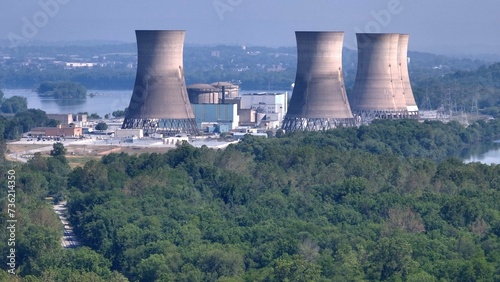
{"x": 377, "y": 203}
{"x": 58, "y": 149}
{"x": 101, "y": 126}
{"x": 13, "y": 104}
{"x": 119, "y": 113}
{"x": 62, "y": 89}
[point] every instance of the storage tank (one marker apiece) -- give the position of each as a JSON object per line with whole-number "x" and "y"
{"x": 203, "y": 94}
{"x": 160, "y": 102}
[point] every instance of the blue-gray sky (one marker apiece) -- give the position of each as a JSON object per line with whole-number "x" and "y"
{"x": 459, "y": 25}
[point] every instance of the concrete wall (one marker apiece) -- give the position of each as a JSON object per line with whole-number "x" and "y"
{"x": 121, "y": 133}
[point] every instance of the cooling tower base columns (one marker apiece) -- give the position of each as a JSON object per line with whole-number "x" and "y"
{"x": 168, "y": 127}
{"x": 368, "y": 116}
{"x": 316, "y": 124}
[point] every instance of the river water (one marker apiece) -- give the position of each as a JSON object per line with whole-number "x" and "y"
{"x": 485, "y": 153}
{"x": 104, "y": 101}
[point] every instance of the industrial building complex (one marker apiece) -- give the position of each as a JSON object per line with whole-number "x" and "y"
{"x": 161, "y": 104}
{"x": 219, "y": 107}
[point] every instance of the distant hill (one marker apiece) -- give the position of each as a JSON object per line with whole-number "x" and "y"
{"x": 253, "y": 67}
{"x": 468, "y": 91}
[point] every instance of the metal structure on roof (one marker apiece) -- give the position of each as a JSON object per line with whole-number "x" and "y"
{"x": 319, "y": 100}
{"x": 228, "y": 89}
{"x": 160, "y": 102}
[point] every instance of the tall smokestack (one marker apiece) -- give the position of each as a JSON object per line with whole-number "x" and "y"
{"x": 411, "y": 105}
{"x": 378, "y": 88}
{"x": 319, "y": 100}
{"x": 223, "y": 94}
{"x": 160, "y": 101}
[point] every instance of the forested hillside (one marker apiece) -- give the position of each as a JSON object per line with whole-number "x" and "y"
{"x": 379, "y": 203}
{"x": 467, "y": 91}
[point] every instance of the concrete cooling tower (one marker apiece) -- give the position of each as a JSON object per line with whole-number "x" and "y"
{"x": 382, "y": 87}
{"x": 411, "y": 105}
{"x": 319, "y": 100}
{"x": 160, "y": 102}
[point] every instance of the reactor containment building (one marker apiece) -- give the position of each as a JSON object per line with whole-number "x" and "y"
{"x": 160, "y": 102}
{"x": 319, "y": 100}
{"x": 382, "y": 87}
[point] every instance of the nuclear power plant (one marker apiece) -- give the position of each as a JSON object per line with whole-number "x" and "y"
{"x": 319, "y": 100}
{"x": 382, "y": 87}
{"x": 160, "y": 102}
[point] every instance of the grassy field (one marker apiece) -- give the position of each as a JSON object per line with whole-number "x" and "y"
{"x": 141, "y": 150}
{"x": 78, "y": 155}
{"x": 15, "y": 148}
{"x": 80, "y": 161}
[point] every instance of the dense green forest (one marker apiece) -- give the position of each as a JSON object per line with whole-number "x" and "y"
{"x": 377, "y": 203}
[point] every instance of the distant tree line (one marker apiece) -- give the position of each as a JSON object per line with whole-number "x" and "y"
{"x": 232, "y": 63}
{"x": 119, "y": 113}
{"x": 13, "y": 128}
{"x": 468, "y": 91}
{"x": 13, "y": 104}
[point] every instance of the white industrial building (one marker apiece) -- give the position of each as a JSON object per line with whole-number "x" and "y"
{"x": 133, "y": 132}
{"x": 79, "y": 120}
{"x": 264, "y": 109}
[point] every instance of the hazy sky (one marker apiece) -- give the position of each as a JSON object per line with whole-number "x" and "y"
{"x": 432, "y": 24}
